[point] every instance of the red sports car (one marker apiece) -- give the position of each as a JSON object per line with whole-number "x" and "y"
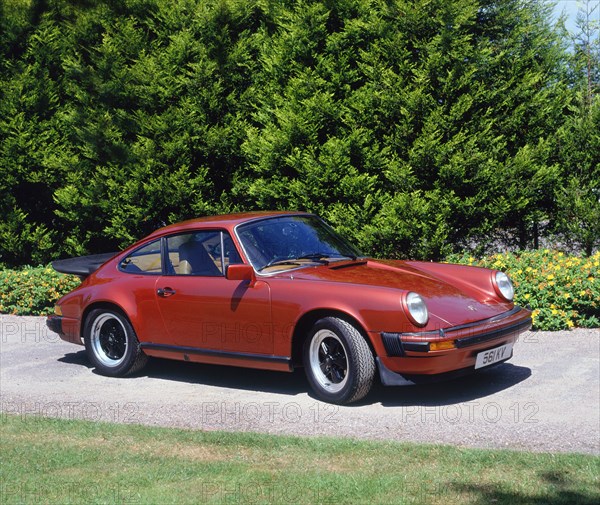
{"x": 279, "y": 290}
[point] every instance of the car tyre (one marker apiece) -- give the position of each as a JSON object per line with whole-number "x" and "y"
{"x": 338, "y": 362}
{"x": 111, "y": 343}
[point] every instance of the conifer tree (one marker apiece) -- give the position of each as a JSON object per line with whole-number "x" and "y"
{"x": 578, "y": 140}
{"x": 415, "y": 127}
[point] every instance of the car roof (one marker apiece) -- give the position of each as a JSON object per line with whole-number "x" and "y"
{"x": 227, "y": 221}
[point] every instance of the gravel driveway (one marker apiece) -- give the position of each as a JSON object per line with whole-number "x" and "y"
{"x": 547, "y": 398}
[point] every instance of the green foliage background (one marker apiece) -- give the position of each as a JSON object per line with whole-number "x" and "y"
{"x": 417, "y": 128}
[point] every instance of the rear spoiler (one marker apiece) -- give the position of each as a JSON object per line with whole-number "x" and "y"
{"x": 82, "y": 266}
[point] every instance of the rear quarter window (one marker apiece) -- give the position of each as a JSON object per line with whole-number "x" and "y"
{"x": 145, "y": 260}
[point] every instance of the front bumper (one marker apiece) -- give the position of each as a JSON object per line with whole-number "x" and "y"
{"x": 412, "y": 358}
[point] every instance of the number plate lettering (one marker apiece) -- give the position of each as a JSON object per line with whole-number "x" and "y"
{"x": 494, "y": 355}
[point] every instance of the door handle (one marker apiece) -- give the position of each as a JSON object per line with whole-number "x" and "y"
{"x": 165, "y": 292}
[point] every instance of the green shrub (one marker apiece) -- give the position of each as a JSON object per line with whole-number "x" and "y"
{"x": 562, "y": 290}
{"x": 33, "y": 290}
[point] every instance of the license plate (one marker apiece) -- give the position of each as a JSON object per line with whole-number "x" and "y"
{"x": 494, "y": 355}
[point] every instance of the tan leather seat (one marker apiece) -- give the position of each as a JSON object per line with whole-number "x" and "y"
{"x": 195, "y": 260}
{"x": 185, "y": 268}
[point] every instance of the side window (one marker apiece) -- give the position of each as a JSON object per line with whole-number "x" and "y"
{"x": 201, "y": 253}
{"x": 143, "y": 260}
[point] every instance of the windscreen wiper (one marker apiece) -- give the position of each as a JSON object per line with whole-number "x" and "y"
{"x": 324, "y": 258}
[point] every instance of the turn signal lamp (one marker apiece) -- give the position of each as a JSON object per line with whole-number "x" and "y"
{"x": 441, "y": 346}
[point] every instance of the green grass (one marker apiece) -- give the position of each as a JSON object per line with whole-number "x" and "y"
{"x": 57, "y": 461}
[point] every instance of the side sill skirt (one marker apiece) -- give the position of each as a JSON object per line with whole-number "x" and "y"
{"x": 264, "y": 358}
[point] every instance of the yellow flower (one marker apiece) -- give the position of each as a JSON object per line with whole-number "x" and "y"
{"x": 550, "y": 277}
{"x": 570, "y": 323}
{"x": 567, "y": 295}
{"x": 554, "y": 312}
{"x": 527, "y": 296}
{"x": 582, "y": 293}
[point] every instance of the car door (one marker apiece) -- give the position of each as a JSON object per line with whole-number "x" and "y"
{"x": 143, "y": 269}
{"x": 200, "y": 307}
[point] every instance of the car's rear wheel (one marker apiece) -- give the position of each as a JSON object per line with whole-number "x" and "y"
{"x": 338, "y": 361}
{"x": 111, "y": 343}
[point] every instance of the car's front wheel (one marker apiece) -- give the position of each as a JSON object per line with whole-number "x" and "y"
{"x": 111, "y": 343}
{"x": 338, "y": 361}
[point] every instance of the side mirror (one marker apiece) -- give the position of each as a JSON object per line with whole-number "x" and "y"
{"x": 240, "y": 272}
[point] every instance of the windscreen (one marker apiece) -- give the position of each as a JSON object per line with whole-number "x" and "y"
{"x": 277, "y": 239}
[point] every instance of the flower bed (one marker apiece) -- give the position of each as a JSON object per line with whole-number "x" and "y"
{"x": 33, "y": 290}
{"x": 562, "y": 290}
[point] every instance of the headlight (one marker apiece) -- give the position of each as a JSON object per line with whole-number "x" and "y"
{"x": 503, "y": 286}
{"x": 416, "y": 309}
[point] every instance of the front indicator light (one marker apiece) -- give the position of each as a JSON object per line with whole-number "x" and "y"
{"x": 58, "y": 310}
{"x": 442, "y": 346}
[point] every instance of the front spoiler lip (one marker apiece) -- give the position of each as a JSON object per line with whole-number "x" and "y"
{"x": 390, "y": 378}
